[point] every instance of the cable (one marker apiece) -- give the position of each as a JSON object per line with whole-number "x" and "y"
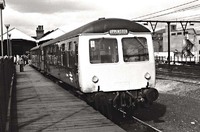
{"x": 184, "y": 9}
{"x": 166, "y": 9}
{"x": 192, "y": 16}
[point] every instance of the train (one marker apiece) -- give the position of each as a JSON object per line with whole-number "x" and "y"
{"x": 109, "y": 60}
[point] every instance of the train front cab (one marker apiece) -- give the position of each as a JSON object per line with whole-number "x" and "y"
{"x": 120, "y": 66}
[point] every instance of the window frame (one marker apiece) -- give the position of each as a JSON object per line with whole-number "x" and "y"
{"x": 102, "y": 48}
{"x": 146, "y": 48}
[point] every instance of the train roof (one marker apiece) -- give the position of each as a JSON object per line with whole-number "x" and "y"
{"x": 101, "y": 26}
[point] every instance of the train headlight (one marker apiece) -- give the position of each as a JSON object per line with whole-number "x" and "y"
{"x": 147, "y": 76}
{"x": 95, "y": 79}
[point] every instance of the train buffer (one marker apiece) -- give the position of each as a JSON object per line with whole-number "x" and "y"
{"x": 42, "y": 105}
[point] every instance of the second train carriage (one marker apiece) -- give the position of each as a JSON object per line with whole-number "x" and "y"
{"x": 108, "y": 59}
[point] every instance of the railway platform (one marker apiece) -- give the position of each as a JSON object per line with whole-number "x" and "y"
{"x": 44, "y": 106}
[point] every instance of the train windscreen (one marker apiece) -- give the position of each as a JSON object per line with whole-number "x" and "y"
{"x": 135, "y": 49}
{"x": 103, "y": 50}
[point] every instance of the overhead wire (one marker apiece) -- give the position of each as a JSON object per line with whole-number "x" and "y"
{"x": 176, "y": 11}
{"x": 166, "y": 9}
{"x": 187, "y": 17}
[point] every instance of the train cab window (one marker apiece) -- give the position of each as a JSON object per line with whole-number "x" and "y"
{"x": 135, "y": 49}
{"x": 103, "y": 50}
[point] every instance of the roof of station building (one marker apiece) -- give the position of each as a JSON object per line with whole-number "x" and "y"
{"x": 17, "y": 34}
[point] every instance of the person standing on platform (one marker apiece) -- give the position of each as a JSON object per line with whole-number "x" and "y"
{"x": 21, "y": 64}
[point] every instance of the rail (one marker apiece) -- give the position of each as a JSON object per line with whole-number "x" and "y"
{"x": 7, "y": 75}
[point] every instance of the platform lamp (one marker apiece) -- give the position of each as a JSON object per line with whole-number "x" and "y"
{"x": 7, "y": 27}
{"x": 2, "y": 6}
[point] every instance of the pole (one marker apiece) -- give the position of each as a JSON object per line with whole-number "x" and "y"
{"x": 10, "y": 44}
{"x": 1, "y": 32}
{"x": 168, "y": 24}
{"x": 8, "y": 53}
{"x": 8, "y": 47}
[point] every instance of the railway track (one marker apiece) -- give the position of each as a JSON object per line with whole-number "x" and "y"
{"x": 137, "y": 125}
{"x": 187, "y": 75}
{"x": 149, "y": 128}
{"x": 133, "y": 124}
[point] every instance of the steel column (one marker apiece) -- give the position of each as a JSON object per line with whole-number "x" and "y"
{"x": 168, "y": 59}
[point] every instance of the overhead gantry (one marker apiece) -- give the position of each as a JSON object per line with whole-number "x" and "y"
{"x": 154, "y": 23}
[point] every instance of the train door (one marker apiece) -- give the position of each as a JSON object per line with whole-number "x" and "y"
{"x": 72, "y": 63}
{"x": 45, "y": 59}
{"x": 62, "y": 62}
{"x": 76, "y": 64}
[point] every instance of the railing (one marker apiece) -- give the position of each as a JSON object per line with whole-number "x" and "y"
{"x": 7, "y": 75}
{"x": 176, "y": 60}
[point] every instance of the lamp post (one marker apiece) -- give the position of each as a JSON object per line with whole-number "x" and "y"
{"x": 10, "y": 44}
{"x": 2, "y": 6}
{"x": 7, "y": 27}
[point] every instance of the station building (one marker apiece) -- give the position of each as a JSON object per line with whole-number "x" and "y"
{"x": 20, "y": 43}
{"x": 182, "y": 42}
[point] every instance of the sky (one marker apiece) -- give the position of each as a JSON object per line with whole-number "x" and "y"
{"x": 67, "y": 15}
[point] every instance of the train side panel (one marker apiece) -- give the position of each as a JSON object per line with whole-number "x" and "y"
{"x": 61, "y": 61}
{"x": 36, "y": 57}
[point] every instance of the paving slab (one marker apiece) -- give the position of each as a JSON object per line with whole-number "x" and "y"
{"x": 44, "y": 106}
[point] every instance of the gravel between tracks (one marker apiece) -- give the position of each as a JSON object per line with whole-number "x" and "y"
{"x": 181, "y": 96}
{"x": 178, "y": 105}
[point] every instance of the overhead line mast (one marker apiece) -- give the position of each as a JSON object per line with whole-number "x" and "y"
{"x": 153, "y": 26}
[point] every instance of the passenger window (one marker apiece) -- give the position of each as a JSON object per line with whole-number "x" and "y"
{"x": 70, "y": 46}
{"x": 63, "y": 58}
{"x": 70, "y": 55}
{"x": 63, "y": 47}
{"x": 103, "y": 50}
{"x": 135, "y": 49}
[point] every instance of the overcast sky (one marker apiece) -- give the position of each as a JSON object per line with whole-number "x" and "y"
{"x": 26, "y": 15}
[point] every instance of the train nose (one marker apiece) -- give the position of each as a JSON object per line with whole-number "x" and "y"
{"x": 151, "y": 94}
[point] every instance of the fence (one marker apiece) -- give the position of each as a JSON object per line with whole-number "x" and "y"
{"x": 7, "y": 73}
{"x": 176, "y": 60}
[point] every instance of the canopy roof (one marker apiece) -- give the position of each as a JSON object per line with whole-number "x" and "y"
{"x": 17, "y": 34}
{"x": 54, "y": 34}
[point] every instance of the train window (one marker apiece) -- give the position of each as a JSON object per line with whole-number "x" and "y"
{"x": 54, "y": 49}
{"x": 63, "y": 47}
{"x": 70, "y": 55}
{"x": 103, "y": 50}
{"x": 51, "y": 49}
{"x": 135, "y": 49}
{"x": 69, "y": 46}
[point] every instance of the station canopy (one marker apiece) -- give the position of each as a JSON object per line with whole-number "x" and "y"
{"x": 54, "y": 34}
{"x": 16, "y": 34}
